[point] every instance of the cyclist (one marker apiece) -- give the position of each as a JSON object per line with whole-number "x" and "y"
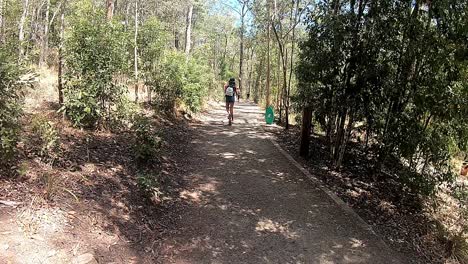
{"x": 230, "y": 91}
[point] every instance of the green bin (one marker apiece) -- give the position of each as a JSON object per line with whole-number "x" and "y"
{"x": 269, "y": 115}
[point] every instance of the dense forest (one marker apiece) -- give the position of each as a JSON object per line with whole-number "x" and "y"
{"x": 386, "y": 77}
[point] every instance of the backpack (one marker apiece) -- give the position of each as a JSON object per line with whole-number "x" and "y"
{"x": 230, "y": 91}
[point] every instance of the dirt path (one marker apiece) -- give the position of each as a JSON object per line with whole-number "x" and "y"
{"x": 248, "y": 203}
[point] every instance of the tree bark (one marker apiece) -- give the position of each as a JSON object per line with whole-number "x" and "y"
{"x": 35, "y": 24}
{"x": 2, "y": 22}
{"x": 60, "y": 53}
{"x": 306, "y": 129}
{"x": 278, "y": 84}
{"x": 188, "y": 30}
{"x": 293, "y": 41}
{"x": 136, "y": 50}
{"x": 250, "y": 73}
{"x": 21, "y": 28}
{"x": 342, "y": 147}
{"x": 241, "y": 51}
{"x": 127, "y": 15}
{"x": 258, "y": 81}
{"x": 284, "y": 92}
{"x": 268, "y": 58}
{"x": 109, "y": 9}
{"x": 176, "y": 40}
{"x": 45, "y": 38}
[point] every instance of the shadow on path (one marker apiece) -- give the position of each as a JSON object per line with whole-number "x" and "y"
{"x": 248, "y": 204}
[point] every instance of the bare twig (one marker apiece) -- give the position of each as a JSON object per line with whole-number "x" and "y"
{"x": 56, "y": 12}
{"x": 10, "y": 203}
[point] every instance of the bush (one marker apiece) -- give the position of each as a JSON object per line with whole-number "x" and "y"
{"x": 180, "y": 82}
{"x": 150, "y": 186}
{"x": 125, "y": 112}
{"x": 94, "y": 56}
{"x": 147, "y": 141}
{"x": 10, "y": 109}
{"x": 48, "y": 140}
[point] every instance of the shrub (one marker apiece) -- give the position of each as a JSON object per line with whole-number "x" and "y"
{"x": 196, "y": 86}
{"x": 125, "y": 112}
{"x": 94, "y": 56}
{"x": 180, "y": 80}
{"x": 48, "y": 140}
{"x": 147, "y": 141}
{"x": 10, "y": 109}
{"x": 150, "y": 186}
{"x": 167, "y": 81}
{"x": 51, "y": 185}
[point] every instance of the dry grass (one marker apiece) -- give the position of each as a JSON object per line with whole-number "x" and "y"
{"x": 43, "y": 94}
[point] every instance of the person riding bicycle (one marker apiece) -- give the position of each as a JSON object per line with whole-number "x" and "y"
{"x": 230, "y": 91}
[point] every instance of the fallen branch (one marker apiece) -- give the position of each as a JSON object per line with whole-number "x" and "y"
{"x": 10, "y": 203}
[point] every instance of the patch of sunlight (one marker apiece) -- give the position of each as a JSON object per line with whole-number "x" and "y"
{"x": 327, "y": 258}
{"x": 387, "y": 206}
{"x": 209, "y": 187}
{"x": 228, "y": 155}
{"x": 337, "y": 246}
{"x": 193, "y": 196}
{"x": 356, "y": 243}
{"x": 268, "y": 225}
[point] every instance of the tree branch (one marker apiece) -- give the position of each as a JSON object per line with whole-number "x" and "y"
{"x": 56, "y": 12}
{"x": 232, "y": 8}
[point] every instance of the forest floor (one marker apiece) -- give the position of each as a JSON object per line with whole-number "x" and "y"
{"x": 89, "y": 207}
{"x": 228, "y": 195}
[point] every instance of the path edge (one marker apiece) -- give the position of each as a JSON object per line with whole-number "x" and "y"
{"x": 338, "y": 201}
{"x": 342, "y": 204}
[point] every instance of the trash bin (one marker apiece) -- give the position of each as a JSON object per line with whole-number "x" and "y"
{"x": 269, "y": 115}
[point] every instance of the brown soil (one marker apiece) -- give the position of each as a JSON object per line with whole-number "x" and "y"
{"x": 88, "y": 203}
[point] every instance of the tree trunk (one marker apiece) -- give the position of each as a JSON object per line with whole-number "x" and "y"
{"x": 284, "y": 92}
{"x": 21, "y": 28}
{"x": 250, "y": 73}
{"x": 33, "y": 30}
{"x": 2, "y": 22}
{"x": 241, "y": 51}
{"x": 293, "y": 41}
{"x": 45, "y": 38}
{"x": 127, "y": 15}
{"x": 306, "y": 129}
{"x": 340, "y": 132}
{"x": 35, "y": 25}
{"x": 136, "y": 51}
{"x": 286, "y": 99}
{"x": 280, "y": 91}
{"x": 258, "y": 81}
{"x": 60, "y": 53}
{"x": 188, "y": 30}
{"x": 268, "y": 58}
{"x": 176, "y": 39}
{"x": 110, "y": 9}
{"x": 225, "y": 49}
{"x": 344, "y": 141}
